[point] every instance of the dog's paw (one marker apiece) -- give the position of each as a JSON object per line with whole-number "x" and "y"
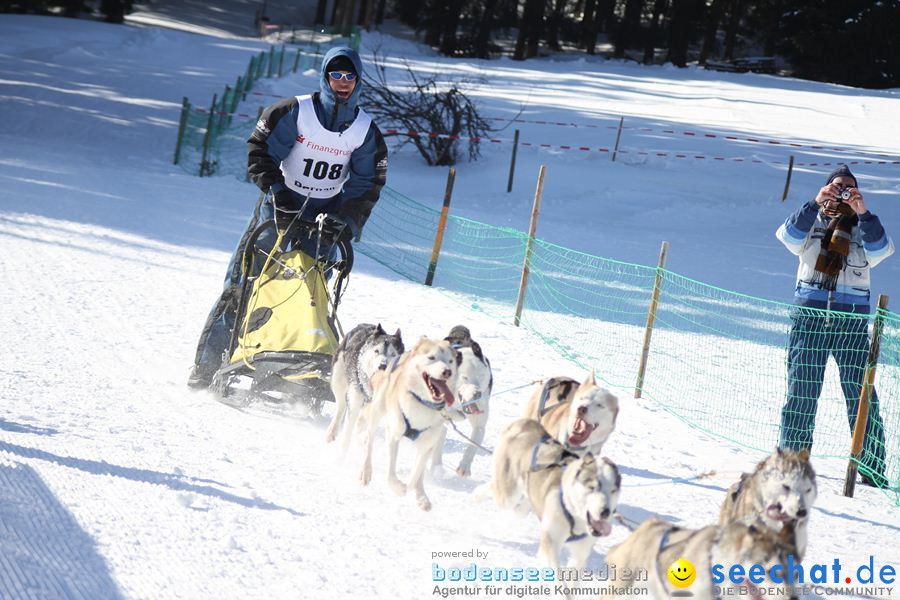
{"x": 365, "y": 476}
{"x": 397, "y": 486}
{"x": 330, "y": 435}
{"x": 424, "y": 502}
{"x": 463, "y": 471}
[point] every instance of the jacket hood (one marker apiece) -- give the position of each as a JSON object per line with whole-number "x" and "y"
{"x": 346, "y": 111}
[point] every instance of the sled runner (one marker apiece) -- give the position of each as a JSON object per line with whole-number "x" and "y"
{"x": 286, "y": 327}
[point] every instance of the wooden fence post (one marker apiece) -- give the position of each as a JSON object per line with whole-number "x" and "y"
{"x": 862, "y": 411}
{"x": 618, "y": 137}
{"x": 651, "y": 317}
{"x": 442, "y": 223}
{"x": 787, "y": 183}
{"x": 296, "y": 60}
{"x": 512, "y": 163}
{"x": 185, "y": 112}
{"x": 281, "y": 62}
{"x": 532, "y": 228}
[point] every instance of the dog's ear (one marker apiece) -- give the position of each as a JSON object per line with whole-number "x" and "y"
{"x": 397, "y": 334}
{"x": 615, "y": 470}
{"x": 590, "y": 381}
{"x": 803, "y": 455}
{"x": 779, "y": 451}
{"x": 379, "y": 330}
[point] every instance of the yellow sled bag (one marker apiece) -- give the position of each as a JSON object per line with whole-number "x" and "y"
{"x": 287, "y": 311}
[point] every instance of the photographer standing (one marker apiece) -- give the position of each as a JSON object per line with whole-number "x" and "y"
{"x": 838, "y": 241}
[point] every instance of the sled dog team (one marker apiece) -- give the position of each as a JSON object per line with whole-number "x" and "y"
{"x": 549, "y": 460}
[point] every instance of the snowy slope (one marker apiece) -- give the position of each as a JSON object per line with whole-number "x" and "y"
{"x": 115, "y": 481}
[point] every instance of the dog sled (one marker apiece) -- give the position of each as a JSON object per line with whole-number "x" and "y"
{"x": 286, "y": 328}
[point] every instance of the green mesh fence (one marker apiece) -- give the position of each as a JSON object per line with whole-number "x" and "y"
{"x": 476, "y": 259}
{"x": 887, "y": 384}
{"x": 719, "y": 360}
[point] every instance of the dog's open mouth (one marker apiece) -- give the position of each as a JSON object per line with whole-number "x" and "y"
{"x": 599, "y": 527}
{"x": 581, "y": 431}
{"x": 775, "y": 513}
{"x": 471, "y": 408}
{"x": 438, "y": 389}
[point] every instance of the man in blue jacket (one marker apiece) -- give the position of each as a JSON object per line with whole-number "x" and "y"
{"x": 320, "y": 153}
{"x": 838, "y": 241}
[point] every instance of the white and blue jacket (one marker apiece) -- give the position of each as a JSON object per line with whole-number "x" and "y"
{"x": 276, "y": 133}
{"x": 869, "y": 245}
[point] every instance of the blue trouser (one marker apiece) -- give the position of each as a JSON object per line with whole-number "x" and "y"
{"x": 216, "y": 335}
{"x": 812, "y": 341}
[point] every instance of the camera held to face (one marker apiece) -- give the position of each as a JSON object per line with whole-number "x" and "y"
{"x": 843, "y": 194}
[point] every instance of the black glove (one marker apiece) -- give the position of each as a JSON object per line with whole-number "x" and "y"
{"x": 285, "y": 207}
{"x": 335, "y": 228}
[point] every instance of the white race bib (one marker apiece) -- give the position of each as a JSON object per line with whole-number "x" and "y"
{"x": 318, "y": 164}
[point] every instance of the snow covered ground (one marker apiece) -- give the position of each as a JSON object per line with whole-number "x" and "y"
{"x": 116, "y": 481}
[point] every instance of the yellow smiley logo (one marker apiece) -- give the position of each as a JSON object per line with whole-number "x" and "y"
{"x": 682, "y": 573}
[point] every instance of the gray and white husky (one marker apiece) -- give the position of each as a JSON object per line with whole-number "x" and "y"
{"x": 573, "y": 497}
{"x": 779, "y": 493}
{"x": 474, "y": 382}
{"x": 581, "y": 416}
{"x": 365, "y": 350}
{"x": 657, "y": 547}
{"x": 411, "y": 397}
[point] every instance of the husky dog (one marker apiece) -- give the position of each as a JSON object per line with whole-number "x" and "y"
{"x": 579, "y": 416}
{"x": 573, "y": 497}
{"x": 473, "y": 391}
{"x": 412, "y": 395}
{"x": 365, "y": 350}
{"x": 780, "y": 492}
{"x": 656, "y": 545}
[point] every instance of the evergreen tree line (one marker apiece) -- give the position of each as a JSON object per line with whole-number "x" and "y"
{"x": 113, "y": 11}
{"x": 853, "y": 42}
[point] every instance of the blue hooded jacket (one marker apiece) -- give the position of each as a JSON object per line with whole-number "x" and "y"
{"x": 275, "y": 135}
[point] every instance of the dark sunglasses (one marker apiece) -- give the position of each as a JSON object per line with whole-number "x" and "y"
{"x": 337, "y": 75}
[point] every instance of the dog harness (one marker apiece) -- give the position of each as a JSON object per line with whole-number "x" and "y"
{"x": 565, "y": 386}
{"x": 663, "y": 542}
{"x": 415, "y": 433}
{"x": 534, "y": 451}
{"x": 410, "y": 433}
{"x": 573, "y": 537}
{"x": 566, "y": 455}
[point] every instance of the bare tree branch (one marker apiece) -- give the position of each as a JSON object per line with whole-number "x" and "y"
{"x": 437, "y": 112}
